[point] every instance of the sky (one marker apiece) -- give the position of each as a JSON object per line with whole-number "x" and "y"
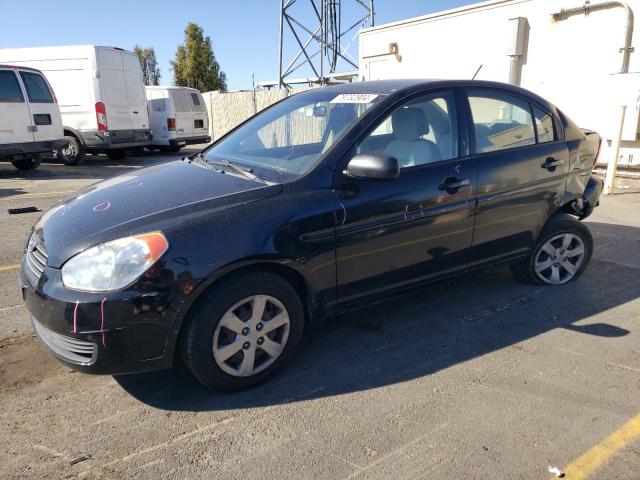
{"x": 244, "y": 33}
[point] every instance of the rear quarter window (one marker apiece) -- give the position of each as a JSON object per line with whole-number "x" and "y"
{"x": 37, "y": 89}
{"x": 544, "y": 125}
{"x": 10, "y": 91}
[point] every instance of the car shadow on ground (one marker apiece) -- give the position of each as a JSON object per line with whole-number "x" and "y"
{"x": 428, "y": 330}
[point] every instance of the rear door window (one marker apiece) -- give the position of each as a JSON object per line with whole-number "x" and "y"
{"x": 37, "y": 88}
{"x": 500, "y": 121}
{"x": 10, "y": 91}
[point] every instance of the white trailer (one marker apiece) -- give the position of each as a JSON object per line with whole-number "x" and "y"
{"x": 101, "y": 96}
{"x": 567, "y": 51}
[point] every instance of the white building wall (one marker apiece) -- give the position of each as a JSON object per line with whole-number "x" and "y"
{"x": 572, "y": 62}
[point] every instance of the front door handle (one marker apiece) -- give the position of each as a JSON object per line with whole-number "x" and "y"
{"x": 135, "y": 111}
{"x": 551, "y": 163}
{"x": 451, "y": 183}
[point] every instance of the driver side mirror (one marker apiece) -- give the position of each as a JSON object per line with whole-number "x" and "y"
{"x": 373, "y": 166}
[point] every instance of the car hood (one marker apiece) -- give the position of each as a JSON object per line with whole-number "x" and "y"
{"x": 159, "y": 197}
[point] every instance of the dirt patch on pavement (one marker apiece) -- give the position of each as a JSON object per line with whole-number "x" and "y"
{"x": 23, "y": 361}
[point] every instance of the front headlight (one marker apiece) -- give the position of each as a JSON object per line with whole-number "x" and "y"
{"x": 114, "y": 265}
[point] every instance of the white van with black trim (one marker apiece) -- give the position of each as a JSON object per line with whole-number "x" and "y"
{"x": 30, "y": 122}
{"x": 178, "y": 117}
{"x": 101, "y": 96}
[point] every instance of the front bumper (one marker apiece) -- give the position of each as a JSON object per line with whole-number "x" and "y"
{"x": 119, "y": 333}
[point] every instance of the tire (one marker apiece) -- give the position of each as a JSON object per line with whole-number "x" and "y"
{"x": 74, "y": 154}
{"x": 205, "y": 331}
{"x": 551, "y": 250}
{"x": 117, "y": 154}
{"x": 27, "y": 163}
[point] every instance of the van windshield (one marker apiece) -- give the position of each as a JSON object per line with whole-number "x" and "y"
{"x": 292, "y": 136}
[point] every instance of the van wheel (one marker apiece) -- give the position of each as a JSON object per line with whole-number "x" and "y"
{"x": 243, "y": 331}
{"x": 73, "y": 154}
{"x": 27, "y": 163}
{"x": 117, "y": 154}
{"x": 561, "y": 254}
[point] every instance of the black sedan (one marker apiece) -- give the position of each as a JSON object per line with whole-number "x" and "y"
{"x": 327, "y": 200}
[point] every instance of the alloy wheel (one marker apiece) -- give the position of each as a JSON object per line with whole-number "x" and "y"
{"x": 251, "y": 335}
{"x": 559, "y": 258}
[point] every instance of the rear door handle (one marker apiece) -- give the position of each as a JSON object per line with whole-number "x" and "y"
{"x": 451, "y": 183}
{"x": 135, "y": 111}
{"x": 551, "y": 163}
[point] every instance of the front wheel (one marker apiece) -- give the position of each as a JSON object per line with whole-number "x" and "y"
{"x": 561, "y": 254}
{"x": 243, "y": 331}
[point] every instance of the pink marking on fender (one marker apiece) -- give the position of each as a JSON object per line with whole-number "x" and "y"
{"x": 406, "y": 212}
{"x": 421, "y": 212}
{"x": 102, "y": 320}
{"x": 101, "y": 207}
{"x": 75, "y": 317}
{"x": 457, "y": 168}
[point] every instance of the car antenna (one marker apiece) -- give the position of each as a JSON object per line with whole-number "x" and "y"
{"x": 477, "y": 72}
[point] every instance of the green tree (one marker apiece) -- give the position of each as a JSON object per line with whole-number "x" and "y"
{"x": 149, "y": 64}
{"x": 195, "y": 64}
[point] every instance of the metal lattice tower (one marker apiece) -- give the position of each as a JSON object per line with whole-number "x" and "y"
{"x": 320, "y": 38}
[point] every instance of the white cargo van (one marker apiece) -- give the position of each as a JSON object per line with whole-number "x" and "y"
{"x": 101, "y": 96}
{"x": 178, "y": 117}
{"x": 30, "y": 122}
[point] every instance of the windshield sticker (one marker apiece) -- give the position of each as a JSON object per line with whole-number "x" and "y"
{"x": 355, "y": 98}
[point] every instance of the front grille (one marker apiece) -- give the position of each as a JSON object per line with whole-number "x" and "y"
{"x": 70, "y": 349}
{"x": 35, "y": 259}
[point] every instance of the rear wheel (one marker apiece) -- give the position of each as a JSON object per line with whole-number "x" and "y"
{"x": 27, "y": 163}
{"x": 243, "y": 331}
{"x": 117, "y": 153}
{"x": 561, "y": 254}
{"x": 73, "y": 154}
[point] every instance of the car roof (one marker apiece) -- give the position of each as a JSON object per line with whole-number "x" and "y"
{"x": 19, "y": 67}
{"x": 402, "y": 87}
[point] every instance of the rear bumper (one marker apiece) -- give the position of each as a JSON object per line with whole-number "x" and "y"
{"x": 101, "y": 141}
{"x": 93, "y": 334}
{"x": 11, "y": 149}
{"x": 590, "y": 197}
{"x": 189, "y": 141}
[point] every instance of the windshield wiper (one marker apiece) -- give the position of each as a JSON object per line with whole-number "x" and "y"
{"x": 200, "y": 160}
{"x": 244, "y": 171}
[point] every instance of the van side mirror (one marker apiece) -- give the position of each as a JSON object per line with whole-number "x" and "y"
{"x": 373, "y": 166}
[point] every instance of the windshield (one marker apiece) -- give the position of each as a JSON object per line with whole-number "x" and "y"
{"x": 292, "y": 135}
